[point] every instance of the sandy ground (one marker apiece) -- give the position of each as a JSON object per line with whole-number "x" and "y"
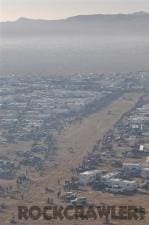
{"x": 81, "y": 137}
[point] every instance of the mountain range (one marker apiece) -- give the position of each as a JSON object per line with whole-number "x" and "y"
{"x": 135, "y": 23}
{"x": 80, "y": 44}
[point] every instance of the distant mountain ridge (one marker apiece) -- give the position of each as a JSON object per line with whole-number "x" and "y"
{"x": 75, "y": 45}
{"x": 137, "y": 23}
{"x": 84, "y": 17}
{"x": 138, "y": 15}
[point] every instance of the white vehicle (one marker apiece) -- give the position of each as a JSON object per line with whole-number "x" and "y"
{"x": 79, "y": 201}
{"x": 115, "y": 189}
{"x": 88, "y": 177}
{"x": 119, "y": 185}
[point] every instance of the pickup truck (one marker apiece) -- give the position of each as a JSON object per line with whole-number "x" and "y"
{"x": 79, "y": 201}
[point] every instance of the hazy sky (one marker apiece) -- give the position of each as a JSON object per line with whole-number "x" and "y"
{"x": 55, "y": 9}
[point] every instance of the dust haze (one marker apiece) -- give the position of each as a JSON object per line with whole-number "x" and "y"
{"x": 81, "y": 44}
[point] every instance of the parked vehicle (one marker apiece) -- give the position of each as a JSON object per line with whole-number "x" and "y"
{"x": 79, "y": 201}
{"x": 69, "y": 196}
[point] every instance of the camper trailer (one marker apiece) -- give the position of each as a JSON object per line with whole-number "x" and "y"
{"x": 121, "y": 186}
{"x": 145, "y": 173}
{"x": 131, "y": 168}
{"x": 88, "y": 177}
